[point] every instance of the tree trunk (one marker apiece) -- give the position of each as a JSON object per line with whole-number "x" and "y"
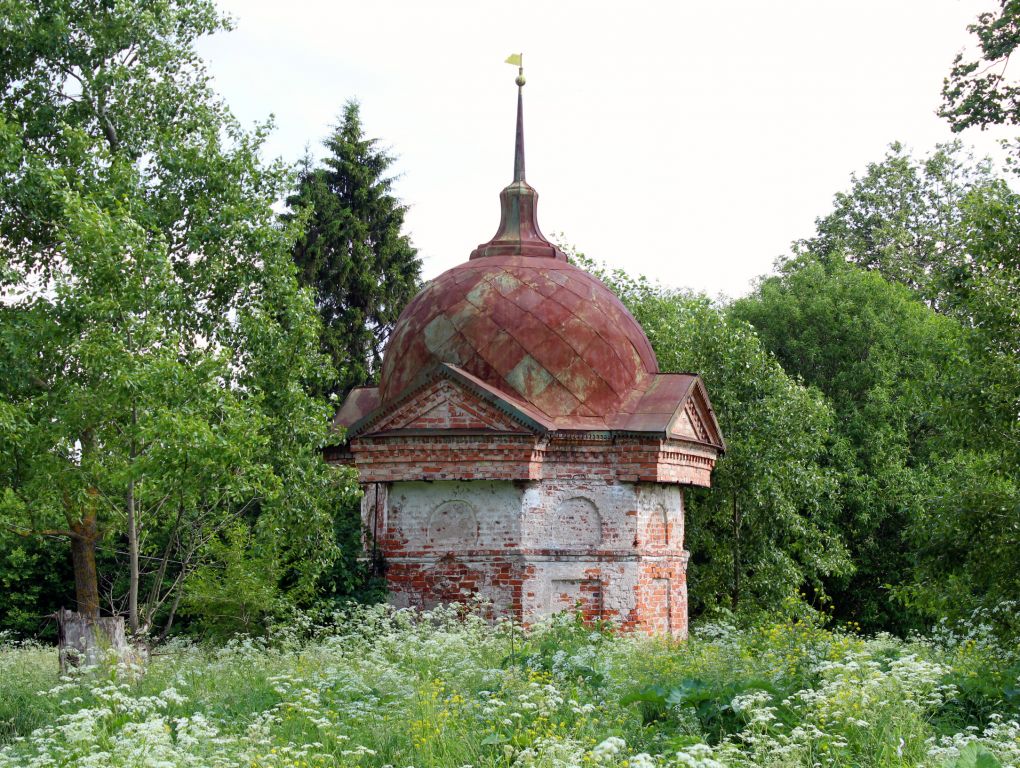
{"x": 84, "y": 533}
{"x": 85, "y": 641}
{"x": 132, "y": 525}
{"x": 735, "y": 597}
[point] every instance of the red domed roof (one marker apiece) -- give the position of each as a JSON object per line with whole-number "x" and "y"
{"x": 518, "y": 331}
{"x": 537, "y": 328}
{"x": 521, "y": 318}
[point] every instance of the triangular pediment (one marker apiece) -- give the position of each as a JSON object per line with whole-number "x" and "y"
{"x": 447, "y": 404}
{"x": 695, "y": 420}
{"x": 684, "y": 425}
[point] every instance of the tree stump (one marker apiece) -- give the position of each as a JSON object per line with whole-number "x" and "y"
{"x": 85, "y": 641}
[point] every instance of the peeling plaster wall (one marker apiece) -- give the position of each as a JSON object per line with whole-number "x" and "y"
{"x": 632, "y": 572}
{"x": 611, "y": 550}
{"x": 472, "y": 514}
{"x": 448, "y": 541}
{"x": 599, "y": 589}
{"x": 660, "y": 517}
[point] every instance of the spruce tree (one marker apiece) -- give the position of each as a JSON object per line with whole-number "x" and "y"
{"x": 352, "y": 252}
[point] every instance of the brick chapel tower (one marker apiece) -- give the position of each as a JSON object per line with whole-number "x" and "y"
{"x": 522, "y": 444}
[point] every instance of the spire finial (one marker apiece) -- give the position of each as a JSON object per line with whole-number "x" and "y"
{"x": 518, "y": 233}
{"x": 518, "y": 59}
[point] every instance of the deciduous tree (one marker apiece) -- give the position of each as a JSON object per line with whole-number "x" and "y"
{"x": 891, "y": 369}
{"x": 945, "y": 389}
{"x": 981, "y": 92}
{"x": 155, "y": 347}
{"x": 905, "y": 219}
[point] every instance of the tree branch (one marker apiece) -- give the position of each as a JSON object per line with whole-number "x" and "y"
{"x": 54, "y": 532}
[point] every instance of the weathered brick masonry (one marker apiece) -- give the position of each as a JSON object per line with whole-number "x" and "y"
{"x": 523, "y": 445}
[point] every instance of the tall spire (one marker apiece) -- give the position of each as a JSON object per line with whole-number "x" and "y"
{"x": 519, "y": 143}
{"x": 518, "y": 233}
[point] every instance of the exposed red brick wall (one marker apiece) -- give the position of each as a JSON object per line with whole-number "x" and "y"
{"x": 426, "y": 585}
{"x": 390, "y": 458}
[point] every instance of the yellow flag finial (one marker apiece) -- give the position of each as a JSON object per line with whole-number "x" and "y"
{"x": 517, "y": 59}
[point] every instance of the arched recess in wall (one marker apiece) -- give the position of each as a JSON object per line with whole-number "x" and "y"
{"x": 452, "y": 524}
{"x": 657, "y": 532}
{"x": 576, "y": 523}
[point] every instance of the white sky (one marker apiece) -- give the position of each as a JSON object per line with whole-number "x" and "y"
{"x": 691, "y": 142}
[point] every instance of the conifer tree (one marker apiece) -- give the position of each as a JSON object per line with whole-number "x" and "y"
{"x": 352, "y": 252}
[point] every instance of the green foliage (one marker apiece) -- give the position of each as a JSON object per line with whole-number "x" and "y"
{"x": 350, "y": 576}
{"x": 928, "y": 403}
{"x": 35, "y": 581}
{"x": 711, "y": 703}
{"x": 977, "y": 93}
{"x": 975, "y": 756}
{"x": 155, "y": 348}
{"x": 889, "y": 367}
{"x": 965, "y": 534}
{"x": 905, "y": 218}
{"x": 236, "y": 588}
{"x": 351, "y": 252}
{"x": 568, "y": 636}
{"x": 981, "y": 490}
{"x": 985, "y": 301}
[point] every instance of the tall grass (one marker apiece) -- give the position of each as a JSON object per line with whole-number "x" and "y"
{"x": 374, "y": 687}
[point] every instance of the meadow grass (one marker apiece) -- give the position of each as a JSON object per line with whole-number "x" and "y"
{"x": 375, "y": 687}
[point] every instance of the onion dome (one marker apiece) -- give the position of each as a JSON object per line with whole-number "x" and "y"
{"x": 519, "y": 317}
